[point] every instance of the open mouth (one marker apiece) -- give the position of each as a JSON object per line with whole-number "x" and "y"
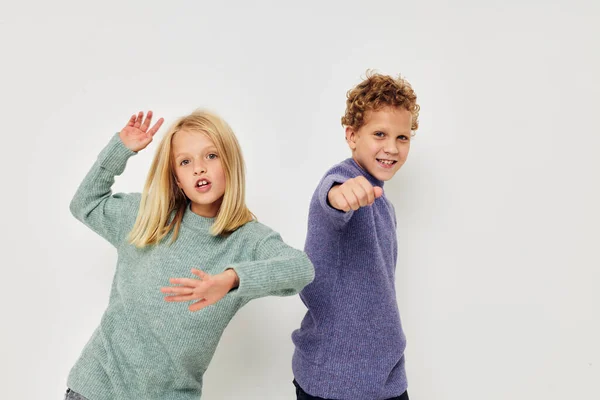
{"x": 386, "y": 163}
{"x": 202, "y": 183}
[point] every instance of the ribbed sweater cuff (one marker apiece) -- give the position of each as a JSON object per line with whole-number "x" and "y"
{"x": 115, "y": 155}
{"x": 339, "y": 218}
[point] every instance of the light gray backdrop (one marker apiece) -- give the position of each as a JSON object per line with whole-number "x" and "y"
{"x": 497, "y": 205}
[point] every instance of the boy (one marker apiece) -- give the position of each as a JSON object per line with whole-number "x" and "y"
{"x": 350, "y": 345}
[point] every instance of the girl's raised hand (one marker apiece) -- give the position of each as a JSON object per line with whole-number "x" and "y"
{"x": 207, "y": 290}
{"x": 136, "y": 135}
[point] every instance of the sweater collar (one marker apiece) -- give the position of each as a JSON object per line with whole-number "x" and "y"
{"x": 372, "y": 180}
{"x": 195, "y": 221}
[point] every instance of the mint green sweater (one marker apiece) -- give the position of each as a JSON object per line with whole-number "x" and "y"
{"x": 144, "y": 347}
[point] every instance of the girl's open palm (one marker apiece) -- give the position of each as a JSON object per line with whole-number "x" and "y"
{"x": 206, "y": 290}
{"x": 136, "y": 135}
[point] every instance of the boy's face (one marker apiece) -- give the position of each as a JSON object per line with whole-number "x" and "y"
{"x": 381, "y": 145}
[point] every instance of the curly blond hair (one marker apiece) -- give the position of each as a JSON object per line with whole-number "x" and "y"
{"x": 378, "y": 91}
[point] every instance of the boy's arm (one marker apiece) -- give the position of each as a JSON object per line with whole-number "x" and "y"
{"x": 339, "y": 197}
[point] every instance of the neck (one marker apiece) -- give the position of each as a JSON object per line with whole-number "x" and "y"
{"x": 207, "y": 210}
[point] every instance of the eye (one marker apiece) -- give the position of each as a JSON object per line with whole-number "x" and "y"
{"x": 403, "y": 138}
{"x": 184, "y": 162}
{"x": 212, "y": 156}
{"x": 379, "y": 134}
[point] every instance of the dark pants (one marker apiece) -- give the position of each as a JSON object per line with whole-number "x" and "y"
{"x": 71, "y": 395}
{"x": 302, "y": 395}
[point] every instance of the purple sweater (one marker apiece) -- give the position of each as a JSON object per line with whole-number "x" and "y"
{"x": 350, "y": 344}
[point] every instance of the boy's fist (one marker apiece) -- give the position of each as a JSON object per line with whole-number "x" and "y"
{"x": 353, "y": 194}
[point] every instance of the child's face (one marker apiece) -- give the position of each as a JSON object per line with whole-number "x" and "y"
{"x": 381, "y": 145}
{"x": 199, "y": 171}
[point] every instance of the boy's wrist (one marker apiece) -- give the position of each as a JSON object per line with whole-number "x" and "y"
{"x": 331, "y": 193}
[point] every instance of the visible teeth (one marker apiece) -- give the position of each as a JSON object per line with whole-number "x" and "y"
{"x": 202, "y": 183}
{"x": 386, "y": 161}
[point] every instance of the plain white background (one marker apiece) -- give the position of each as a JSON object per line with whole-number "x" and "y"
{"x": 498, "y": 217}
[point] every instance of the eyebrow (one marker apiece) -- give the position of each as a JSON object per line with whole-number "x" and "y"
{"x": 387, "y": 132}
{"x": 207, "y": 150}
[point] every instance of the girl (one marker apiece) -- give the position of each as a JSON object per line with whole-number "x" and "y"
{"x": 191, "y": 212}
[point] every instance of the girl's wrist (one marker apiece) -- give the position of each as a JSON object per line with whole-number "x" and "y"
{"x": 232, "y": 277}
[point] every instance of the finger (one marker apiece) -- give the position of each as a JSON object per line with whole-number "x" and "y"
{"x": 199, "y": 305}
{"x": 360, "y": 179}
{"x": 180, "y": 298}
{"x": 343, "y": 204}
{"x": 138, "y": 120}
{"x": 339, "y": 202}
{"x": 156, "y": 127}
{"x": 146, "y": 122}
{"x": 185, "y": 282}
{"x": 361, "y": 194}
{"x": 200, "y": 274}
{"x": 350, "y": 197}
{"x": 370, "y": 192}
{"x": 345, "y": 207}
{"x": 177, "y": 290}
{"x": 351, "y": 201}
{"x": 131, "y": 121}
{"x": 368, "y": 189}
{"x": 378, "y": 192}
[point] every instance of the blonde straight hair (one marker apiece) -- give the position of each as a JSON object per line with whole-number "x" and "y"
{"x": 163, "y": 203}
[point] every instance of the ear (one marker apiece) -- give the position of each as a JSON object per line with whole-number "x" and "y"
{"x": 351, "y": 137}
{"x": 176, "y": 180}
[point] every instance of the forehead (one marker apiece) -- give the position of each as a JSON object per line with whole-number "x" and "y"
{"x": 391, "y": 118}
{"x": 187, "y": 140}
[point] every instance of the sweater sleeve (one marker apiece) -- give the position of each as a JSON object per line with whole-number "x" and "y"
{"x": 95, "y": 205}
{"x": 277, "y": 270}
{"x": 337, "y": 217}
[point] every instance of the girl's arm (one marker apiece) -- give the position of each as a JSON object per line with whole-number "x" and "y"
{"x": 93, "y": 203}
{"x": 277, "y": 270}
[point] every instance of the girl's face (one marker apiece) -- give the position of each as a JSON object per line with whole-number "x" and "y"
{"x": 199, "y": 171}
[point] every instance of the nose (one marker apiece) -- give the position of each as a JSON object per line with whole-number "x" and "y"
{"x": 199, "y": 168}
{"x": 391, "y": 147}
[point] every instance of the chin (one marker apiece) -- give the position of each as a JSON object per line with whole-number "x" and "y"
{"x": 385, "y": 176}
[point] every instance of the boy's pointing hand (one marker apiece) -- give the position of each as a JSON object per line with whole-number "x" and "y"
{"x": 353, "y": 194}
